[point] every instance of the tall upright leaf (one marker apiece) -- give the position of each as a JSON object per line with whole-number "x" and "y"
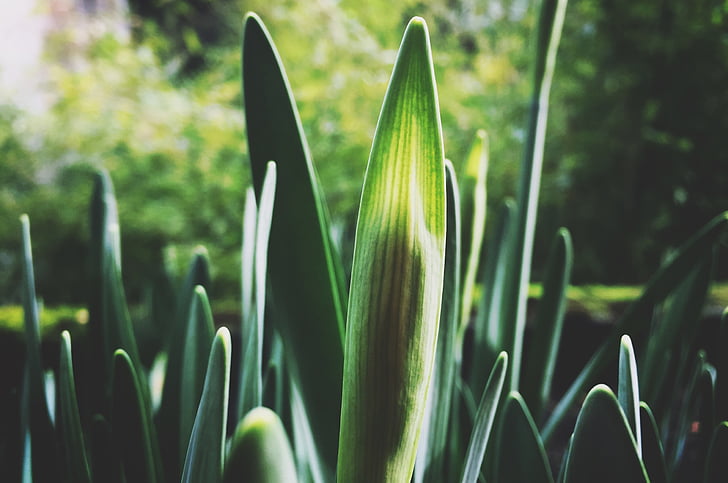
{"x": 42, "y": 450}
{"x": 196, "y": 349}
{"x": 549, "y": 33}
{"x": 68, "y": 420}
{"x": 205, "y": 452}
{"x": 538, "y": 370}
{"x": 484, "y": 420}
{"x": 474, "y": 208}
{"x": 653, "y": 455}
{"x": 251, "y": 378}
{"x": 431, "y": 453}
{"x": 305, "y": 276}
{"x": 397, "y": 276}
{"x": 169, "y": 416}
{"x": 628, "y": 389}
{"x": 132, "y": 431}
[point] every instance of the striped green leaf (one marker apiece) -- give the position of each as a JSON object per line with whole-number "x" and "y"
{"x": 68, "y": 420}
{"x": 205, "y": 452}
{"x": 132, "y": 431}
{"x": 521, "y": 455}
{"x": 431, "y": 453}
{"x": 196, "y": 349}
{"x": 636, "y": 318}
{"x": 603, "y": 448}
{"x": 397, "y": 276}
{"x": 260, "y": 451}
{"x": 538, "y": 370}
{"x": 484, "y": 420}
{"x": 309, "y": 294}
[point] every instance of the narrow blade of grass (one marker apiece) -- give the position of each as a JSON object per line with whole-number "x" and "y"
{"x": 132, "y": 431}
{"x": 196, "y": 350}
{"x": 538, "y": 370}
{"x": 309, "y": 296}
{"x": 41, "y": 453}
{"x": 716, "y": 466}
{"x": 628, "y": 392}
{"x": 549, "y": 34}
{"x": 397, "y": 276}
{"x": 68, "y": 420}
{"x": 484, "y": 420}
{"x": 474, "y": 209}
{"x": 251, "y": 382}
{"x": 205, "y": 453}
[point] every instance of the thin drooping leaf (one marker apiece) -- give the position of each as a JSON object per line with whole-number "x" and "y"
{"x": 541, "y": 362}
{"x": 260, "y": 451}
{"x": 489, "y": 323}
{"x": 42, "y": 452}
{"x": 169, "y": 416}
{"x": 251, "y": 382}
{"x": 205, "y": 453}
{"x": 397, "y": 276}
{"x": 549, "y": 34}
{"x": 628, "y": 389}
{"x": 716, "y": 465}
{"x": 473, "y": 201}
{"x": 484, "y": 420}
{"x": 635, "y": 320}
{"x": 603, "y": 448}
{"x": 309, "y": 296}
{"x": 68, "y": 420}
{"x": 653, "y": 456}
{"x": 132, "y": 431}
{"x": 521, "y": 455}
{"x": 431, "y": 453}
{"x": 196, "y": 350}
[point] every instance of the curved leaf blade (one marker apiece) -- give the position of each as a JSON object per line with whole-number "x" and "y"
{"x": 260, "y": 451}
{"x": 653, "y": 455}
{"x": 309, "y": 295}
{"x": 73, "y": 446}
{"x": 521, "y": 454}
{"x": 628, "y": 392}
{"x": 603, "y": 448}
{"x": 205, "y": 453}
{"x": 484, "y": 420}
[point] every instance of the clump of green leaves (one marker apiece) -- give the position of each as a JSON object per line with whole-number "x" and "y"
{"x": 375, "y": 385}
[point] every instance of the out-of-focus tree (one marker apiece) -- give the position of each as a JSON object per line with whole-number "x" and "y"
{"x": 638, "y": 140}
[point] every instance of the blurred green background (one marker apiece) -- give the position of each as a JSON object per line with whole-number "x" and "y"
{"x": 636, "y": 154}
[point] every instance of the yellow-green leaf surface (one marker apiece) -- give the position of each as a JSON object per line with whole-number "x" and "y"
{"x": 397, "y": 276}
{"x": 260, "y": 451}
